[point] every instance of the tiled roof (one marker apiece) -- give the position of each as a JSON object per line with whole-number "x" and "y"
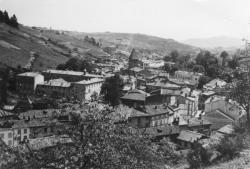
{"x": 52, "y": 71}
{"x": 57, "y": 82}
{"x": 156, "y": 109}
{"x": 39, "y": 113}
{"x": 190, "y": 136}
{"x": 135, "y": 94}
{"x": 136, "y": 69}
{"x": 44, "y": 142}
{"x": 163, "y": 131}
{"x": 32, "y": 123}
{"x": 5, "y": 114}
{"x": 217, "y": 119}
{"x": 30, "y": 74}
{"x": 91, "y": 81}
{"x": 228, "y": 129}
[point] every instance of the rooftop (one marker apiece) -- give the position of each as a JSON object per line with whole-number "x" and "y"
{"x": 135, "y": 95}
{"x": 57, "y": 82}
{"x": 94, "y": 80}
{"x": 190, "y": 136}
{"x": 5, "y": 114}
{"x": 30, "y": 74}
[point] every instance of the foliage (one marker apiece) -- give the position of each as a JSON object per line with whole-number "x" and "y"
{"x": 112, "y": 89}
{"x": 224, "y": 55}
{"x": 198, "y": 68}
{"x": 12, "y": 21}
{"x": 171, "y": 68}
{"x": 198, "y": 157}
{"x": 76, "y": 64}
{"x": 98, "y": 143}
{"x": 209, "y": 62}
{"x": 230, "y": 146}
{"x": 234, "y": 62}
{"x": 202, "y": 81}
{"x": 241, "y": 93}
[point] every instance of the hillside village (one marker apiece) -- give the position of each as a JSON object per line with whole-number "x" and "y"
{"x": 183, "y": 102}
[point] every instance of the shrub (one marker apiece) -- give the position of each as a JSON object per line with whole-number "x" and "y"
{"x": 230, "y": 146}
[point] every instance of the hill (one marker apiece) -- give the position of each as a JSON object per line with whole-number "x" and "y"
{"x": 146, "y": 43}
{"x": 215, "y": 42}
{"x": 42, "y": 48}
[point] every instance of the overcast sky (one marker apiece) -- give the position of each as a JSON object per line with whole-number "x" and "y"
{"x": 177, "y": 19}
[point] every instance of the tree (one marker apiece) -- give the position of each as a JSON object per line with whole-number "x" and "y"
{"x": 98, "y": 143}
{"x": 13, "y": 21}
{"x": 241, "y": 93}
{"x": 202, "y": 81}
{"x": 174, "y": 55}
{"x": 223, "y": 55}
{"x": 76, "y": 64}
{"x": 198, "y": 68}
{"x": 1, "y": 16}
{"x": 234, "y": 62}
{"x": 112, "y": 89}
{"x": 6, "y": 17}
{"x": 209, "y": 62}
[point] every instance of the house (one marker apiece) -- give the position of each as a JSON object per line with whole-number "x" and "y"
{"x": 26, "y": 129}
{"x": 213, "y": 84}
{"x": 27, "y": 82}
{"x": 198, "y": 125}
{"x": 7, "y": 136}
{"x": 48, "y": 142}
{"x": 69, "y": 76}
{"x": 164, "y": 86}
{"x": 161, "y": 132}
{"x": 85, "y": 89}
{"x": 39, "y": 114}
{"x": 82, "y": 90}
{"x": 151, "y": 116}
{"x": 4, "y": 116}
{"x": 135, "y": 98}
{"x": 221, "y": 112}
{"x": 189, "y": 76}
{"x": 188, "y": 106}
{"x": 55, "y": 88}
{"x": 187, "y": 139}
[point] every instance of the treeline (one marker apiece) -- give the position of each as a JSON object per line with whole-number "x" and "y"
{"x": 11, "y": 21}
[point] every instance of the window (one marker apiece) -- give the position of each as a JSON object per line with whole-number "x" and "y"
{"x": 9, "y": 135}
{"x": 45, "y": 130}
{"x": 25, "y": 131}
{"x": 2, "y": 136}
{"x": 9, "y": 142}
{"x": 19, "y": 131}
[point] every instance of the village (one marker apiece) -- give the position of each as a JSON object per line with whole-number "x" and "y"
{"x": 165, "y": 105}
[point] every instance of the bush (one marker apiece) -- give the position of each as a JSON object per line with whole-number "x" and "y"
{"x": 230, "y": 146}
{"x": 198, "y": 157}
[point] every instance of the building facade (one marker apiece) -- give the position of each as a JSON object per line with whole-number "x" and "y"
{"x": 27, "y": 82}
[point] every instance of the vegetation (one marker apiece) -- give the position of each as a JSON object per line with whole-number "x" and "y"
{"x": 76, "y": 64}
{"x": 241, "y": 93}
{"x": 97, "y": 143}
{"x": 112, "y": 89}
{"x": 11, "y": 21}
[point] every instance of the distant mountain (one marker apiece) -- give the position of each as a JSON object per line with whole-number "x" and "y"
{"x": 146, "y": 43}
{"x": 215, "y": 42}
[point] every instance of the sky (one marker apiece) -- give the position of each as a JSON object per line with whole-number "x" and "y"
{"x": 177, "y": 19}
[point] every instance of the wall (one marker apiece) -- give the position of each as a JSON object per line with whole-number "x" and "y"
{"x": 7, "y": 136}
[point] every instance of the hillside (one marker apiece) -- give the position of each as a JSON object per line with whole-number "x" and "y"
{"x": 146, "y": 43}
{"x": 42, "y": 48}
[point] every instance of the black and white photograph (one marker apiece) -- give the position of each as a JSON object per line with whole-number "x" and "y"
{"x": 124, "y": 84}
